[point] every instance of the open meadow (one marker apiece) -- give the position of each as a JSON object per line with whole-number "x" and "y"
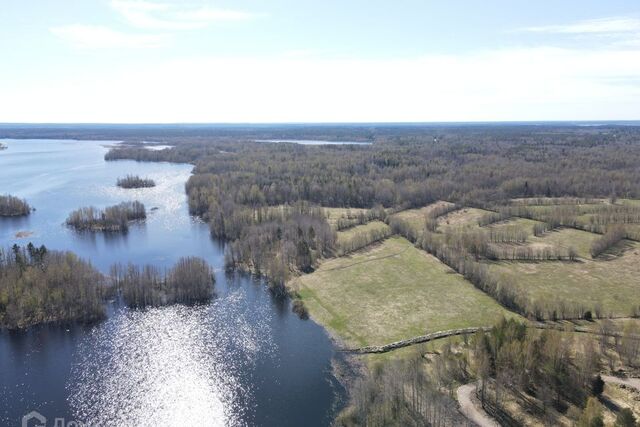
{"x": 392, "y": 291}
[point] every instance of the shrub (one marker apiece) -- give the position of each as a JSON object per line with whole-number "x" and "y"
{"x": 299, "y": 308}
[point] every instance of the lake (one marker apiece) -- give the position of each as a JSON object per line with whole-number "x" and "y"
{"x": 313, "y": 142}
{"x": 243, "y": 359}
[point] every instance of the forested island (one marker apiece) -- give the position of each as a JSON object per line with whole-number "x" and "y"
{"x": 111, "y": 219}
{"x": 38, "y": 285}
{"x": 189, "y": 281}
{"x": 13, "y": 206}
{"x": 134, "y": 181}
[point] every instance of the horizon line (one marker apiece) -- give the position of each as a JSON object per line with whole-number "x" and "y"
{"x": 321, "y": 123}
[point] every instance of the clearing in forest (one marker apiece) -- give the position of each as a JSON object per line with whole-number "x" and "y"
{"x": 417, "y": 217}
{"x": 611, "y": 282}
{"x": 462, "y": 218}
{"x": 392, "y": 291}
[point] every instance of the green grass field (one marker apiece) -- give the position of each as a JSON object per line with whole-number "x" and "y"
{"x": 614, "y": 282}
{"x": 522, "y": 222}
{"x": 390, "y": 292}
{"x": 580, "y": 240}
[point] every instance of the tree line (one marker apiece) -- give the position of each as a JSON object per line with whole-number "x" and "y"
{"x": 591, "y": 218}
{"x": 13, "y": 206}
{"x": 113, "y": 218}
{"x": 613, "y": 236}
{"x": 363, "y": 238}
{"x": 350, "y": 219}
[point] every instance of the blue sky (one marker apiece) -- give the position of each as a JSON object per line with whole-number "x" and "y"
{"x": 318, "y": 61}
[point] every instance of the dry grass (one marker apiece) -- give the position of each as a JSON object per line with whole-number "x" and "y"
{"x": 614, "y": 282}
{"x": 390, "y": 292}
{"x": 462, "y": 218}
{"x": 416, "y": 217}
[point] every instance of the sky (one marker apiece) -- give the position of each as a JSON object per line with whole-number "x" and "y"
{"x": 219, "y": 61}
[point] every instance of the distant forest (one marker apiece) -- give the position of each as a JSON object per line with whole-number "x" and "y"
{"x": 263, "y": 197}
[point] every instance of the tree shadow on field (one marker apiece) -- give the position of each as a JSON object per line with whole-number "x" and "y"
{"x": 616, "y": 251}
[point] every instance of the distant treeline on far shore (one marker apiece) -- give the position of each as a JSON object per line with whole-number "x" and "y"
{"x": 38, "y": 285}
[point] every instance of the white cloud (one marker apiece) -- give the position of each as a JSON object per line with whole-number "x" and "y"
{"x": 517, "y": 84}
{"x": 592, "y": 26}
{"x": 167, "y": 16}
{"x": 100, "y": 37}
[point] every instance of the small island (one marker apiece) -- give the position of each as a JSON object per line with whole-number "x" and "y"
{"x": 113, "y": 219}
{"x": 191, "y": 280}
{"x": 13, "y": 206}
{"x": 2, "y": 146}
{"x": 42, "y": 286}
{"x": 134, "y": 181}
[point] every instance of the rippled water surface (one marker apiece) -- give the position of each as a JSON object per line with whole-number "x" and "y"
{"x": 242, "y": 359}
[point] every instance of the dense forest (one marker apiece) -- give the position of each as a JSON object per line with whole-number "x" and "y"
{"x": 112, "y": 218}
{"x": 263, "y": 197}
{"x": 190, "y": 280}
{"x": 134, "y": 181}
{"x": 13, "y": 206}
{"x": 39, "y": 286}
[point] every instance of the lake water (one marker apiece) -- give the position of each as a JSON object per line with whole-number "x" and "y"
{"x": 243, "y": 359}
{"x": 313, "y": 142}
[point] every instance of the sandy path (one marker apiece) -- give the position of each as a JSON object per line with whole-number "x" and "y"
{"x": 629, "y": 382}
{"x": 470, "y": 410}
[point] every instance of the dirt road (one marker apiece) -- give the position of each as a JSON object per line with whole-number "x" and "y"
{"x": 474, "y": 413}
